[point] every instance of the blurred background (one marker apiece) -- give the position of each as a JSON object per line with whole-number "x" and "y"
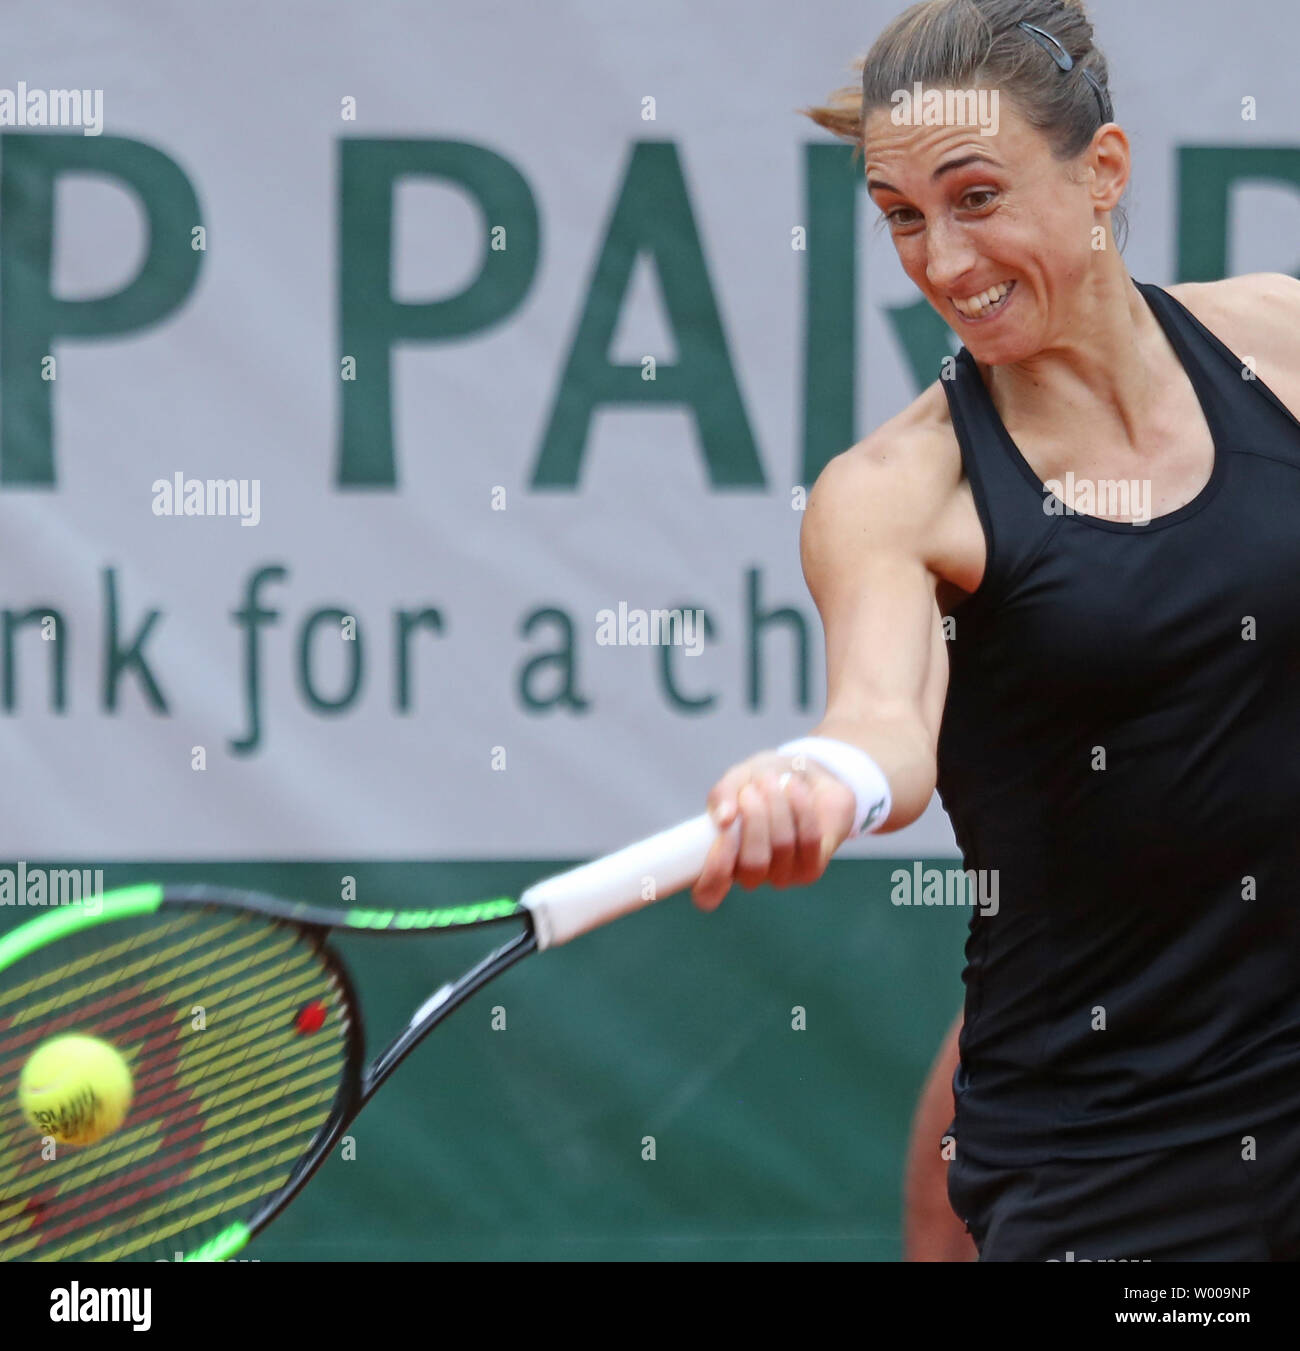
{"x": 497, "y": 317}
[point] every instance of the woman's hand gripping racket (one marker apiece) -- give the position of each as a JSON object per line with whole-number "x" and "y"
{"x": 231, "y": 1113}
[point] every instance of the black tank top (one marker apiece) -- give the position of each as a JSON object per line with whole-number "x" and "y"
{"x": 1139, "y": 985}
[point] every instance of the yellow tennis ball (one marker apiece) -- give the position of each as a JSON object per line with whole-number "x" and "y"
{"x": 75, "y": 1088}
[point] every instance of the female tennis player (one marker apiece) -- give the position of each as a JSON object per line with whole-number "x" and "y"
{"x": 1113, "y": 719}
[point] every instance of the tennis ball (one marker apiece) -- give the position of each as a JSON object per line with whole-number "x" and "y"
{"x": 75, "y": 1088}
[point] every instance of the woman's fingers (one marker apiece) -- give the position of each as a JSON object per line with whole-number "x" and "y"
{"x": 755, "y": 851}
{"x": 808, "y": 866}
{"x": 715, "y": 877}
{"x": 777, "y": 826}
{"x": 781, "y": 829}
{"x": 722, "y": 802}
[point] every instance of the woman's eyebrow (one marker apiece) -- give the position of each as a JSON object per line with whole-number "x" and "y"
{"x": 878, "y": 184}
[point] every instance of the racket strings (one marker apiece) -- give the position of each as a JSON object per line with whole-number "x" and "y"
{"x": 191, "y": 1142}
{"x": 132, "y": 1028}
{"x": 233, "y": 1113}
{"x": 230, "y": 1086}
{"x": 132, "y": 1023}
{"x": 92, "y": 979}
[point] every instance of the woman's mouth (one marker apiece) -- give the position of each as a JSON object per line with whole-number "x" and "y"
{"x": 975, "y": 309}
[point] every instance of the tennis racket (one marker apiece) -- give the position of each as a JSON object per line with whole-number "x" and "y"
{"x": 245, "y": 1041}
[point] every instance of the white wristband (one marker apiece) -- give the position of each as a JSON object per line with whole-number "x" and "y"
{"x": 855, "y": 768}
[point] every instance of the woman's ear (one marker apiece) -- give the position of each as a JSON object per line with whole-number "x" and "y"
{"x": 1111, "y": 163}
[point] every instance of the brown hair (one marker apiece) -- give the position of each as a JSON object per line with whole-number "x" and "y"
{"x": 960, "y": 44}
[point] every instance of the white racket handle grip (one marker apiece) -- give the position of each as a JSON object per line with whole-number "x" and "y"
{"x": 584, "y": 898}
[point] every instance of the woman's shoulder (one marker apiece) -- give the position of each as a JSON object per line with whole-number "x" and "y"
{"x": 899, "y": 496}
{"x": 892, "y": 491}
{"x": 1257, "y": 318}
{"x": 1248, "y": 313}
{"x": 914, "y": 451}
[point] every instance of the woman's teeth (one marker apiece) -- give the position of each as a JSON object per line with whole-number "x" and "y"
{"x": 978, "y": 307}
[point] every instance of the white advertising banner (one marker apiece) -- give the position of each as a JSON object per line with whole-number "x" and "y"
{"x": 371, "y": 377}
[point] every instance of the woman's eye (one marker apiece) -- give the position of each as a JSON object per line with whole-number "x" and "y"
{"x": 975, "y": 200}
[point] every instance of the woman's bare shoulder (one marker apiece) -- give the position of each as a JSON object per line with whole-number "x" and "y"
{"x": 896, "y": 500}
{"x": 1249, "y": 313}
{"x": 1257, "y": 318}
{"x": 891, "y": 489}
{"x": 918, "y": 444}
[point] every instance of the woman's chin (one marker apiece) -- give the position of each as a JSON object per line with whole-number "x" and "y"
{"x": 998, "y": 350}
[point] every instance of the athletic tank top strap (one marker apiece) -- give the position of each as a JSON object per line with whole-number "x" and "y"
{"x": 1245, "y": 415}
{"x": 1007, "y": 496}
{"x": 1016, "y": 509}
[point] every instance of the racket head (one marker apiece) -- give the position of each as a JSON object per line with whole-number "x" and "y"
{"x": 245, "y": 1043}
